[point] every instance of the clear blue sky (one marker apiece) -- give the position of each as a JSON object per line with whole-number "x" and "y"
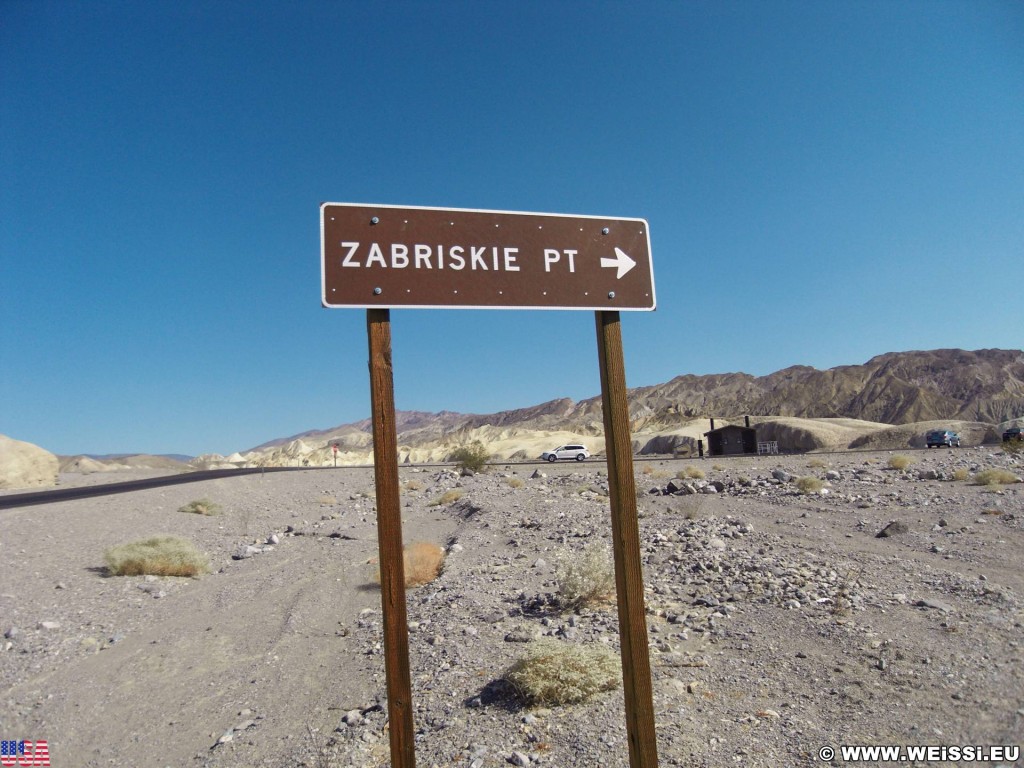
{"x": 824, "y": 182}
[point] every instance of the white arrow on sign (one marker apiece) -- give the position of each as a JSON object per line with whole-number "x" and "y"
{"x": 621, "y": 260}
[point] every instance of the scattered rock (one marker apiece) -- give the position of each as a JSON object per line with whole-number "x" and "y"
{"x": 938, "y": 605}
{"x": 895, "y": 528}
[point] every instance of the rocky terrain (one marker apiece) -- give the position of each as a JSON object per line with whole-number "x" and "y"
{"x": 885, "y": 608}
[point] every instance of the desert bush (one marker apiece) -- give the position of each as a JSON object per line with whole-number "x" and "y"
{"x": 995, "y": 477}
{"x": 808, "y": 485}
{"x": 473, "y": 457}
{"x": 817, "y": 464}
{"x": 690, "y": 473}
{"x": 1013, "y": 447}
{"x": 900, "y": 462}
{"x": 555, "y": 673}
{"x": 586, "y": 577}
{"x": 414, "y": 485}
{"x": 201, "y": 507}
{"x": 961, "y": 474}
{"x": 157, "y": 556}
{"x": 647, "y": 470}
{"x": 423, "y": 561}
{"x": 691, "y": 507}
{"x": 448, "y": 497}
{"x": 718, "y": 467}
{"x": 514, "y": 482}
{"x": 327, "y": 500}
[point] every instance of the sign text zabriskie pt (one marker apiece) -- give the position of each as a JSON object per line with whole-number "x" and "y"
{"x": 388, "y": 256}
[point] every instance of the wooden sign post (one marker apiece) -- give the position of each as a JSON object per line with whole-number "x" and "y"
{"x": 389, "y": 539}
{"x": 629, "y": 580}
{"x": 378, "y": 257}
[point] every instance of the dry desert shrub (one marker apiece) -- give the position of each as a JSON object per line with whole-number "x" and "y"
{"x": 586, "y": 577}
{"x": 994, "y": 477}
{"x": 843, "y": 603}
{"x": 201, "y": 507}
{"x": 808, "y": 485}
{"x": 690, "y": 507}
{"x": 900, "y": 462}
{"x": 473, "y": 457}
{"x": 157, "y": 556}
{"x": 414, "y": 485}
{"x": 320, "y": 747}
{"x": 555, "y": 673}
{"x": 817, "y": 464}
{"x": 423, "y": 561}
{"x": 718, "y": 467}
{"x": 514, "y": 482}
{"x": 1013, "y": 447}
{"x": 961, "y": 474}
{"x": 327, "y": 501}
{"x": 690, "y": 473}
{"x": 448, "y": 497}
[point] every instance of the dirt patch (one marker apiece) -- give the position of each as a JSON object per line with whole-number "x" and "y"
{"x": 778, "y": 622}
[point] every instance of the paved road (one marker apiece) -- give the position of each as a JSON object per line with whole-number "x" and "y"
{"x": 12, "y": 500}
{"x": 84, "y": 492}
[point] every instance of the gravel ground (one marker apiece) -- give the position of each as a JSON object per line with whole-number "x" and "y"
{"x": 779, "y": 622}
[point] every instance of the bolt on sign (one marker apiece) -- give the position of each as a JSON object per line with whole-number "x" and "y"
{"x": 384, "y": 256}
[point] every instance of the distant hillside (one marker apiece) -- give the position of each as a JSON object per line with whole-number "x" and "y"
{"x": 123, "y": 461}
{"x": 986, "y": 385}
{"x": 181, "y": 458}
{"x": 980, "y": 387}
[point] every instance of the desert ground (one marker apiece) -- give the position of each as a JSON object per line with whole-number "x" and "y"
{"x": 779, "y": 622}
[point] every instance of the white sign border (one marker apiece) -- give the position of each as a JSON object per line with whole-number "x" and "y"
{"x": 323, "y": 261}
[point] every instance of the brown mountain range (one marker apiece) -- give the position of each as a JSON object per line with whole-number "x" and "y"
{"x": 896, "y": 388}
{"x": 983, "y": 388}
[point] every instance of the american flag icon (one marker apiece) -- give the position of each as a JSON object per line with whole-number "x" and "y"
{"x": 24, "y": 753}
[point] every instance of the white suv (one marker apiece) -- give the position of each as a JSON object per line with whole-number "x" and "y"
{"x": 577, "y": 452}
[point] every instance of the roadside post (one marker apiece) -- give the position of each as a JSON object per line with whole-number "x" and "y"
{"x": 380, "y": 257}
{"x": 389, "y": 539}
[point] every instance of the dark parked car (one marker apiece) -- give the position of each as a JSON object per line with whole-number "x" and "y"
{"x": 1013, "y": 433}
{"x": 942, "y": 437}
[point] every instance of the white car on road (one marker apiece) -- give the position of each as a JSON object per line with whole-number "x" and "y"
{"x": 577, "y": 452}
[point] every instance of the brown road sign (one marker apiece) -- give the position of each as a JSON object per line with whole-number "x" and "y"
{"x": 387, "y": 256}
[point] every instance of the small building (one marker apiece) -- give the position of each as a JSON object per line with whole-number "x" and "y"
{"x": 731, "y": 440}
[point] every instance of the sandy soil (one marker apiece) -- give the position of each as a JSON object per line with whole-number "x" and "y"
{"x": 778, "y": 622}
